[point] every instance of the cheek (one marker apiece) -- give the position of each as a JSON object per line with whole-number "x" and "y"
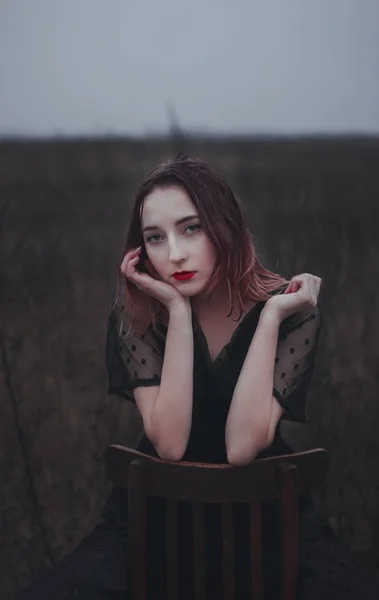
{"x": 209, "y": 253}
{"x": 155, "y": 261}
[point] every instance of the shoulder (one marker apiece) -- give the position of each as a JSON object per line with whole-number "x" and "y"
{"x": 122, "y": 319}
{"x": 131, "y": 340}
{"x": 309, "y": 321}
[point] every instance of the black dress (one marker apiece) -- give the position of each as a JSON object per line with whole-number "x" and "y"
{"x": 97, "y": 568}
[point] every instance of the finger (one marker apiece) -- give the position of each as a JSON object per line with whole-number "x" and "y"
{"x": 132, "y": 252}
{"x": 296, "y": 286}
{"x": 293, "y": 287}
{"x": 299, "y": 279}
{"x": 124, "y": 263}
{"x": 312, "y": 299}
{"x": 129, "y": 267}
{"x": 316, "y": 287}
{"x": 303, "y": 287}
{"x": 312, "y": 287}
{"x": 289, "y": 288}
{"x": 311, "y": 290}
{"x": 135, "y": 275}
{"x": 142, "y": 281}
{"x": 308, "y": 287}
{"x": 132, "y": 255}
{"x": 313, "y": 283}
{"x": 319, "y": 284}
{"x": 125, "y": 268}
{"x": 304, "y": 278}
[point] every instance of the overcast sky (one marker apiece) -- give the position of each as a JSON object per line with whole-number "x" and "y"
{"x": 247, "y": 66}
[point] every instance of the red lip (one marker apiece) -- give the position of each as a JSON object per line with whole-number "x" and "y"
{"x": 184, "y": 275}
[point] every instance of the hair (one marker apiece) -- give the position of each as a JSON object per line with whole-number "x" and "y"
{"x": 223, "y": 221}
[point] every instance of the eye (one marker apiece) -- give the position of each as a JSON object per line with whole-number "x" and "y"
{"x": 153, "y": 239}
{"x": 192, "y": 228}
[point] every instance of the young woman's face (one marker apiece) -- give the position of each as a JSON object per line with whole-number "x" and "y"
{"x": 175, "y": 242}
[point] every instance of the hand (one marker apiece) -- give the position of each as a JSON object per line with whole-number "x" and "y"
{"x": 164, "y": 292}
{"x": 301, "y": 294}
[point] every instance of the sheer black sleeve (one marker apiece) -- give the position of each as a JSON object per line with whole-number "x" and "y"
{"x": 131, "y": 360}
{"x": 294, "y": 363}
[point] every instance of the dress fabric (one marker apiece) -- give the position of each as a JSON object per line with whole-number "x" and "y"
{"x": 97, "y": 569}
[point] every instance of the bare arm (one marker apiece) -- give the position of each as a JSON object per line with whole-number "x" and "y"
{"x": 166, "y": 409}
{"x": 254, "y": 412}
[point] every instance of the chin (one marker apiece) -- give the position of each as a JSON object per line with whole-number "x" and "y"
{"x": 187, "y": 290}
{"x": 199, "y": 292}
{"x": 187, "y": 293}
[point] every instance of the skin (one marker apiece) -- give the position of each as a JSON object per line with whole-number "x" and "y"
{"x": 170, "y": 247}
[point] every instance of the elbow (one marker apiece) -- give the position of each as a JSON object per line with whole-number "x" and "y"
{"x": 242, "y": 451}
{"x": 237, "y": 459}
{"x": 172, "y": 451}
{"x": 168, "y": 446}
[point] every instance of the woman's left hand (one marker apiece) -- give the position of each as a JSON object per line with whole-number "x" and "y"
{"x": 301, "y": 294}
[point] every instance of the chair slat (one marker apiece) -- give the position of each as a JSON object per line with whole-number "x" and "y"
{"x": 199, "y": 551}
{"x": 172, "y": 549}
{"x": 289, "y": 508}
{"x": 228, "y": 551}
{"x": 137, "y": 532}
{"x": 279, "y": 477}
{"x": 256, "y": 551}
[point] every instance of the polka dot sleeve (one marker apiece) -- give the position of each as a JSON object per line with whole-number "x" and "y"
{"x": 294, "y": 362}
{"x": 132, "y": 360}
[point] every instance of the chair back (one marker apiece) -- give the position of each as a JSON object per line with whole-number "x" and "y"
{"x": 281, "y": 478}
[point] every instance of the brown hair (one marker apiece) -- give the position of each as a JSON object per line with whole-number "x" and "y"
{"x": 223, "y": 221}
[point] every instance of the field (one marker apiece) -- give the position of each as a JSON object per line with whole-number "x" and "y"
{"x": 313, "y": 205}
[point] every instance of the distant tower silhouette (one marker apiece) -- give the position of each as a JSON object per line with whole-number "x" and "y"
{"x": 175, "y": 132}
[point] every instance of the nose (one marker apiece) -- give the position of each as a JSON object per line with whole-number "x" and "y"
{"x": 176, "y": 251}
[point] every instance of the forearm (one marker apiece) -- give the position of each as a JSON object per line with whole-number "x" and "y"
{"x": 172, "y": 411}
{"x": 250, "y": 415}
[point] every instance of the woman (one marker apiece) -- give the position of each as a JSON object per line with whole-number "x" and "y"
{"x": 215, "y": 350}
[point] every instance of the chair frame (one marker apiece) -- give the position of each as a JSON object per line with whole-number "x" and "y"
{"x": 280, "y": 477}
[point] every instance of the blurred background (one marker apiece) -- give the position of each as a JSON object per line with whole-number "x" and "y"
{"x": 283, "y": 99}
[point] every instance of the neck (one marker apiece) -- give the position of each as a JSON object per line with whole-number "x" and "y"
{"x": 217, "y": 305}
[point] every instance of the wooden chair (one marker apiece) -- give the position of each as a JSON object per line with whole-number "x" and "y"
{"x": 282, "y": 477}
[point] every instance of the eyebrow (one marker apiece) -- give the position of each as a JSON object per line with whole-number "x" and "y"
{"x": 178, "y": 222}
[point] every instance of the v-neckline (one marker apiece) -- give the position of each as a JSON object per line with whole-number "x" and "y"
{"x": 197, "y": 327}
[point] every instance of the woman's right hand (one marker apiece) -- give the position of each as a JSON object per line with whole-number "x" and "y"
{"x": 164, "y": 292}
